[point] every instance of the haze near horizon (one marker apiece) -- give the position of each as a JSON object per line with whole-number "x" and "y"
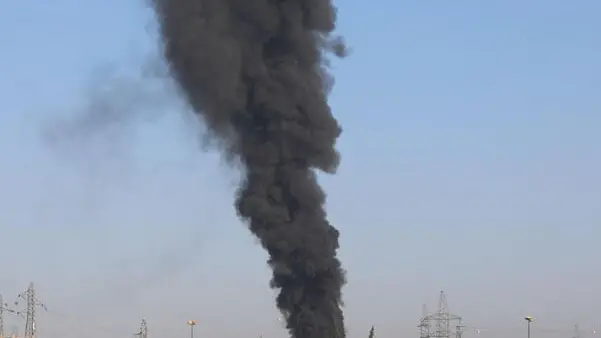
{"x": 469, "y": 164}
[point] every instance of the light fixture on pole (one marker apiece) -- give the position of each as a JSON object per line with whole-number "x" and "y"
{"x": 192, "y": 324}
{"x": 529, "y": 319}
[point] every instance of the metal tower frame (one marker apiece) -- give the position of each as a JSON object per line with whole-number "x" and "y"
{"x": 1, "y": 317}
{"x": 33, "y": 303}
{"x": 4, "y": 309}
{"x": 439, "y": 324}
{"x": 143, "y": 333}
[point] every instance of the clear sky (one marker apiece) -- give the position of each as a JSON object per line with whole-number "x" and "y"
{"x": 472, "y": 134}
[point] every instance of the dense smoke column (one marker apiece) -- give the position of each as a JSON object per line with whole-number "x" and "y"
{"x": 254, "y": 72}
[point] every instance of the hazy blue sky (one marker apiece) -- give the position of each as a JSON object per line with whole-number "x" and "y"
{"x": 470, "y": 164}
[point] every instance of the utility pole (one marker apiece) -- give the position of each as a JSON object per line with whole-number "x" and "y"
{"x": 192, "y": 324}
{"x": 29, "y": 296}
{"x": 529, "y": 319}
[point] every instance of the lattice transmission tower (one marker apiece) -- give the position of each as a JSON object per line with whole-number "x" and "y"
{"x": 1, "y": 317}
{"x": 143, "y": 332}
{"x": 442, "y": 323}
{"x": 4, "y": 309}
{"x": 30, "y": 297}
{"x": 424, "y": 325}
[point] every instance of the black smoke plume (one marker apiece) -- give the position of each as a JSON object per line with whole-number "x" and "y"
{"x": 255, "y": 72}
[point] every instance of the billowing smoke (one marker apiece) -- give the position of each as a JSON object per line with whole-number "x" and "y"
{"x": 255, "y": 72}
{"x": 111, "y": 102}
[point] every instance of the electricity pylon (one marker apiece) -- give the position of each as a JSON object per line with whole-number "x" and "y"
{"x": 438, "y": 324}
{"x": 143, "y": 333}
{"x": 29, "y": 296}
{"x": 3, "y": 309}
{"x": 1, "y": 317}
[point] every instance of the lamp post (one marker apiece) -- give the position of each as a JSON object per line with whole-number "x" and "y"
{"x": 529, "y": 319}
{"x": 192, "y": 324}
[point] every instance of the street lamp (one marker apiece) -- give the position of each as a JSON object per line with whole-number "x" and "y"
{"x": 529, "y": 319}
{"x": 192, "y": 324}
